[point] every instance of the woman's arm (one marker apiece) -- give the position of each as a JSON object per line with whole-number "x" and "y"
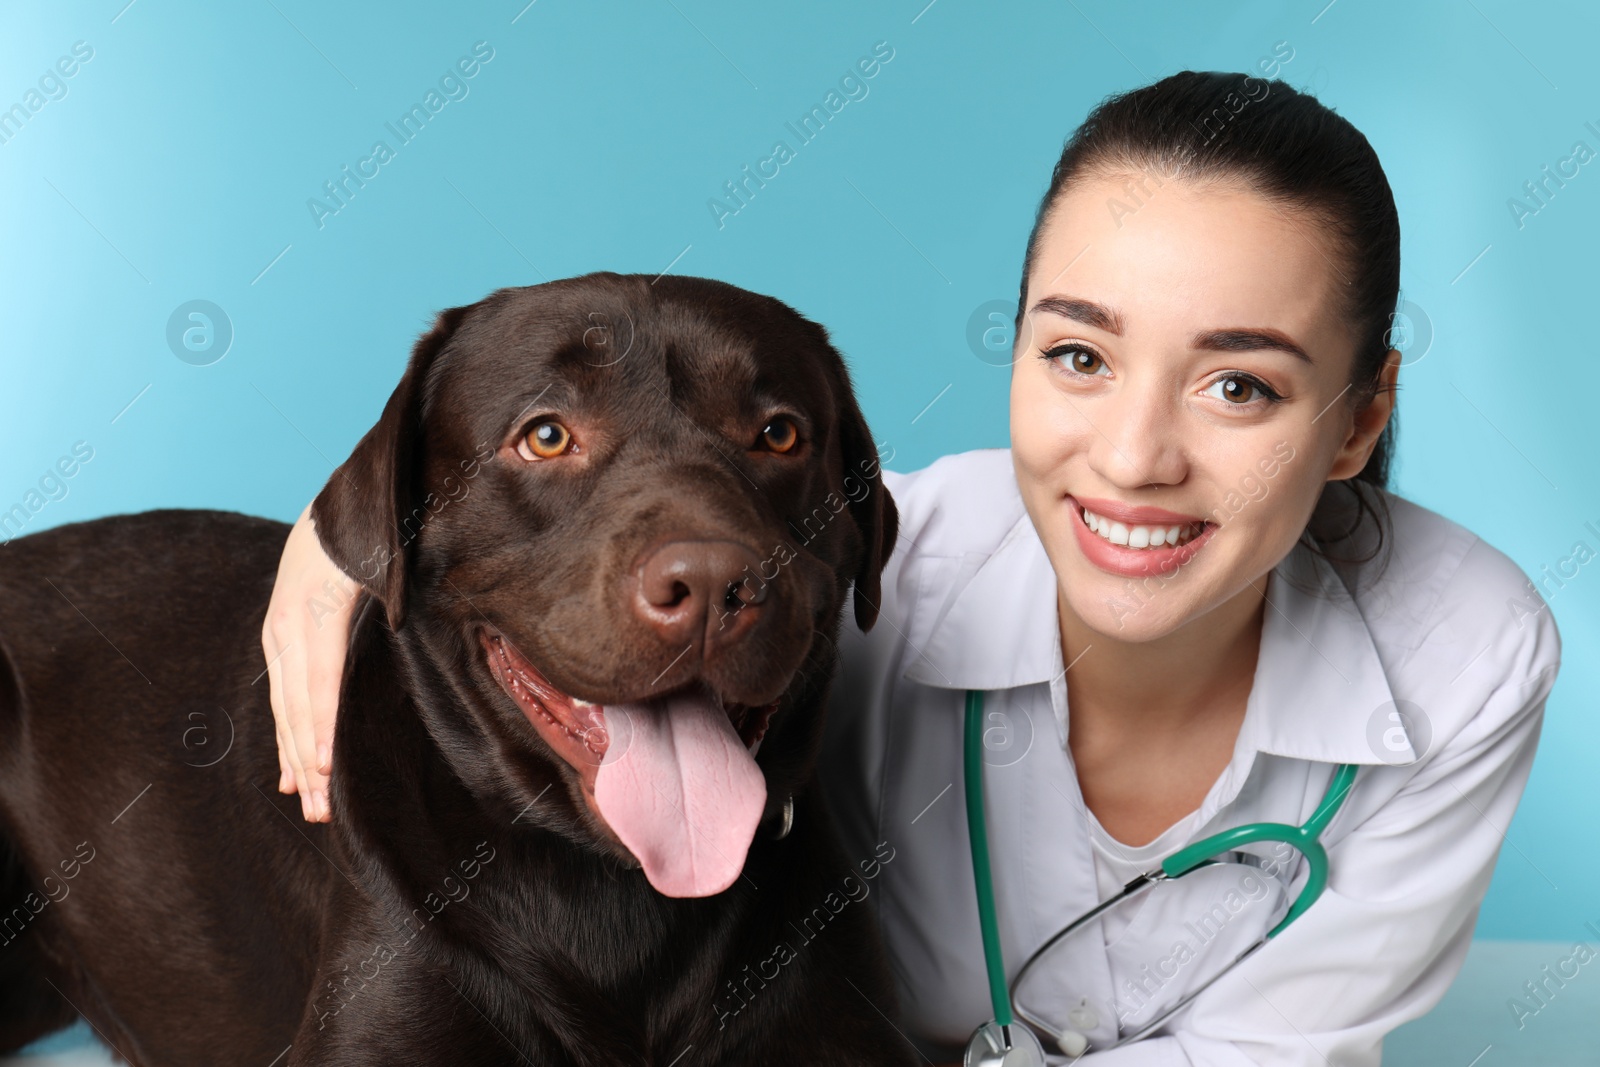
{"x": 304, "y": 637}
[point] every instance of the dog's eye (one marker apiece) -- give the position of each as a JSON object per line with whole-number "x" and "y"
{"x": 779, "y": 435}
{"x": 546, "y": 440}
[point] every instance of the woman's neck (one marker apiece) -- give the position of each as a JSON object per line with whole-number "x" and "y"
{"x": 1152, "y": 724}
{"x": 1172, "y": 681}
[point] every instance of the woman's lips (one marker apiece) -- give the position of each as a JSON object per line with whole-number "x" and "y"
{"x": 1130, "y": 515}
{"x": 1133, "y": 562}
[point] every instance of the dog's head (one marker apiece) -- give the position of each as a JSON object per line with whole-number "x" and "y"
{"x": 621, "y": 516}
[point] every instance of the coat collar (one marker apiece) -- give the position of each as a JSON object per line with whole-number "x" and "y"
{"x": 1319, "y": 691}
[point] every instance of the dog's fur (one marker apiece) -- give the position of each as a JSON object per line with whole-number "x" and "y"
{"x": 466, "y": 905}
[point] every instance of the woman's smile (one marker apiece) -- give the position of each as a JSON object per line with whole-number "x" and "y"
{"x": 1156, "y": 547}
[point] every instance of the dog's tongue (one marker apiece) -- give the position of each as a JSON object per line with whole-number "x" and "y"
{"x": 682, "y": 792}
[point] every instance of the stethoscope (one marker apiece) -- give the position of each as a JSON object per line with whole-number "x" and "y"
{"x": 1002, "y": 1042}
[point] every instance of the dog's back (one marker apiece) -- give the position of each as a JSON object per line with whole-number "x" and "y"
{"x": 138, "y": 792}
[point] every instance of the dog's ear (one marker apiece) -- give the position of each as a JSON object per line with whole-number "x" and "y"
{"x": 872, "y": 507}
{"x": 359, "y": 516}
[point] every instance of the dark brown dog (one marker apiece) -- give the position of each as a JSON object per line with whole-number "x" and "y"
{"x": 607, "y": 527}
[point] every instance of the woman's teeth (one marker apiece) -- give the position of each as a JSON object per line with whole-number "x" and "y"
{"x": 1141, "y": 536}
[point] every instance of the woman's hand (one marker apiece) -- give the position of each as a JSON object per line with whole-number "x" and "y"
{"x": 304, "y": 637}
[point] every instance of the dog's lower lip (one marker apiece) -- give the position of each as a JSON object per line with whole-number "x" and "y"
{"x": 578, "y": 720}
{"x": 582, "y": 721}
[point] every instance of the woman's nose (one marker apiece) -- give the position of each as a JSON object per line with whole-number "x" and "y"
{"x": 1139, "y": 439}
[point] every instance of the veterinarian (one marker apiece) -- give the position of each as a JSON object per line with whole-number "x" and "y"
{"x": 1179, "y": 603}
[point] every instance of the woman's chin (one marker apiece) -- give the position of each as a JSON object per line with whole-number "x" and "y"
{"x": 1139, "y": 609}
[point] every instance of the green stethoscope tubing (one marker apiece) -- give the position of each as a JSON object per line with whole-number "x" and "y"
{"x": 1303, "y": 838}
{"x": 978, "y": 836}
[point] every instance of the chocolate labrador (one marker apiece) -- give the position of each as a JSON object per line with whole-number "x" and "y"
{"x": 605, "y": 529}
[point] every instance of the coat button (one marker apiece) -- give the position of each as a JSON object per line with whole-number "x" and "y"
{"x": 1083, "y": 1017}
{"x": 1073, "y": 1043}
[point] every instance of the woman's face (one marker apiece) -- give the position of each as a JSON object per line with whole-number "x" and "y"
{"x": 1159, "y": 324}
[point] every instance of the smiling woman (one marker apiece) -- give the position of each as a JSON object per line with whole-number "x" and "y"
{"x": 1204, "y": 664}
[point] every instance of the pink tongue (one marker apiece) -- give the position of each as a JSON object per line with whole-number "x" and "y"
{"x": 681, "y": 791}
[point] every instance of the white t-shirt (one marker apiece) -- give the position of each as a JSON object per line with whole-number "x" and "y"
{"x": 1116, "y": 864}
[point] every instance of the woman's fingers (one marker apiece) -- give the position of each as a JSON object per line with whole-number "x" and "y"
{"x": 286, "y": 782}
{"x": 325, "y": 655}
{"x": 297, "y": 711}
{"x": 270, "y": 649}
{"x": 305, "y": 637}
{"x": 288, "y": 750}
{"x": 326, "y": 640}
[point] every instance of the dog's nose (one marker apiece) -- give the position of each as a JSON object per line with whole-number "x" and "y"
{"x": 690, "y": 588}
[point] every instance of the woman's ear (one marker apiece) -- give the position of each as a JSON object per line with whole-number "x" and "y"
{"x": 1369, "y": 422}
{"x": 359, "y": 515}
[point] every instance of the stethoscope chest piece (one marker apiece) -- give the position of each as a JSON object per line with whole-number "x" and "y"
{"x": 993, "y": 1045}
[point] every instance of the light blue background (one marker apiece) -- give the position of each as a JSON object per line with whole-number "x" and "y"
{"x": 179, "y": 164}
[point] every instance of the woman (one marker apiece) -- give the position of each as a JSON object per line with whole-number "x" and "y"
{"x": 1190, "y": 545}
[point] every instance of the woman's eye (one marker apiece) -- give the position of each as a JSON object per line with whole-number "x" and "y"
{"x": 547, "y": 440}
{"x": 1237, "y": 390}
{"x": 779, "y": 435}
{"x": 1078, "y": 359}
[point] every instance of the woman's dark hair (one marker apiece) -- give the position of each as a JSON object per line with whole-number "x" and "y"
{"x": 1296, "y": 152}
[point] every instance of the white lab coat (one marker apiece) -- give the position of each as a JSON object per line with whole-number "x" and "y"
{"x": 1454, "y": 628}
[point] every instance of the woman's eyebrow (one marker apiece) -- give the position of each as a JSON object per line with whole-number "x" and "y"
{"x": 1085, "y": 311}
{"x": 1249, "y": 340}
{"x": 1238, "y": 339}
